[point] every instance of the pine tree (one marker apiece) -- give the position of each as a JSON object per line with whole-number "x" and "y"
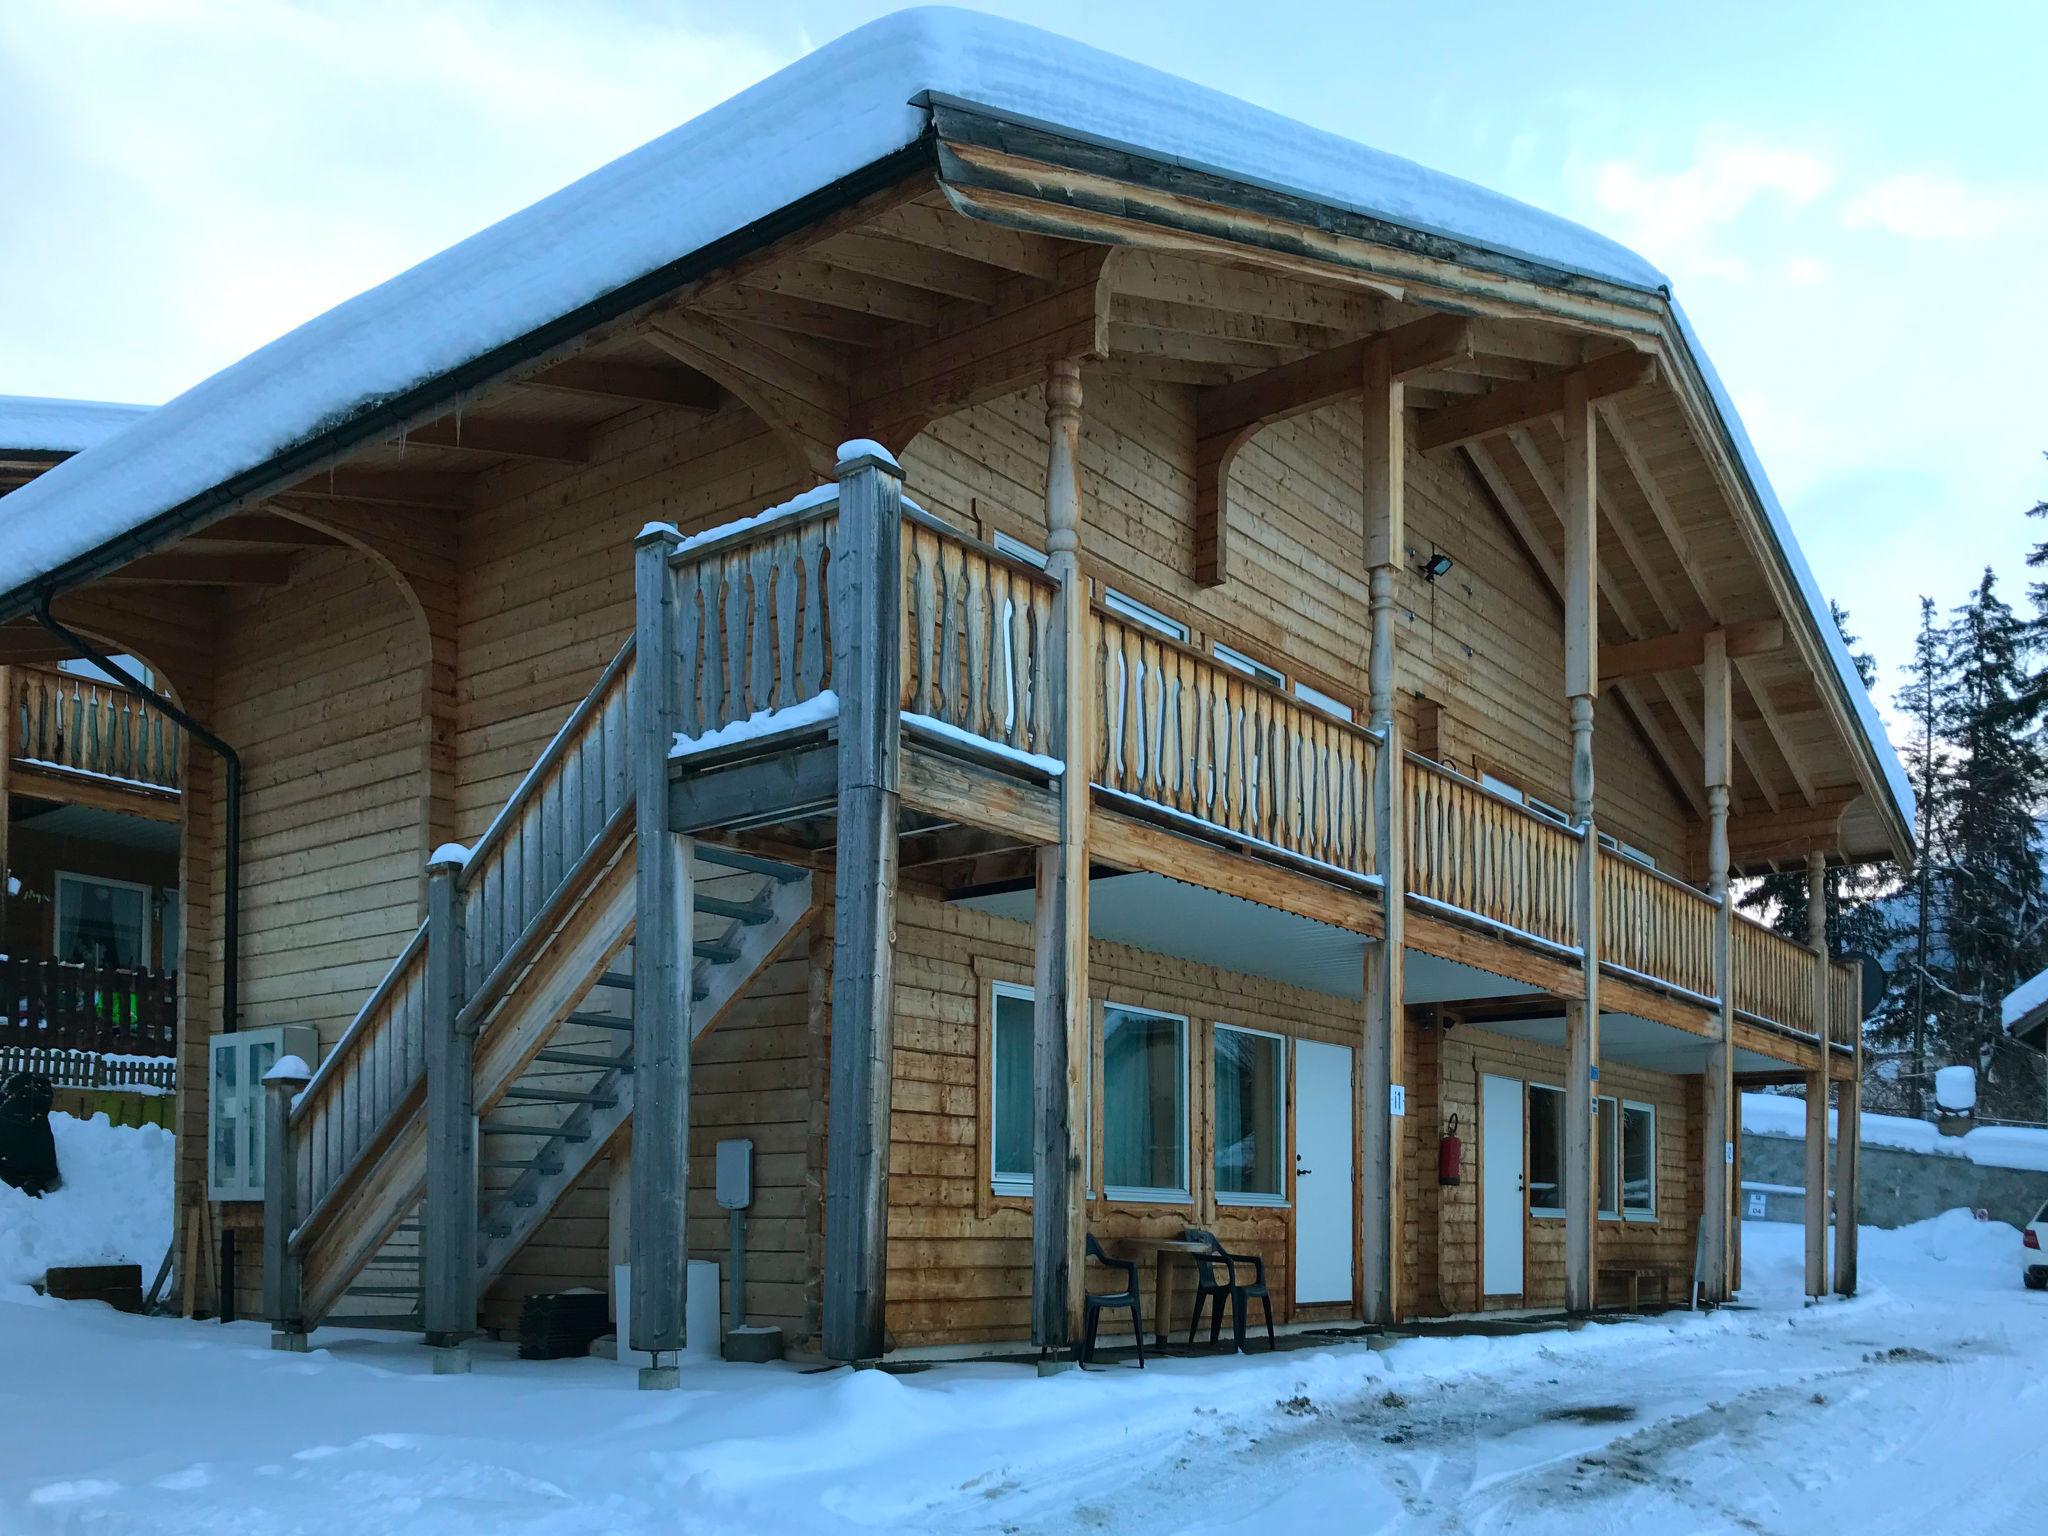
{"x": 1987, "y": 857}
{"x": 1921, "y": 978}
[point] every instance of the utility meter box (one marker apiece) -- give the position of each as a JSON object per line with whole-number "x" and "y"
{"x": 235, "y": 1065}
{"x": 736, "y": 1174}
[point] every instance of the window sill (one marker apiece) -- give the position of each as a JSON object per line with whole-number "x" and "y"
{"x": 1148, "y": 1197}
{"x": 1011, "y": 1189}
{"x": 1263, "y": 1202}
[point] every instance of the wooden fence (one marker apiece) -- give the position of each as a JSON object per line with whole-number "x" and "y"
{"x": 1482, "y": 853}
{"x": 84, "y": 726}
{"x": 57, "y": 1005}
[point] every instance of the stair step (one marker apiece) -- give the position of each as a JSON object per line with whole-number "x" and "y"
{"x": 565, "y": 1058}
{"x": 383, "y": 1290}
{"x": 600, "y": 1020}
{"x": 544, "y": 1132}
{"x": 752, "y": 913}
{"x": 528, "y": 1095}
{"x": 410, "y": 1323}
{"x": 716, "y": 953}
{"x": 540, "y": 1165}
{"x": 732, "y": 858}
{"x": 618, "y": 980}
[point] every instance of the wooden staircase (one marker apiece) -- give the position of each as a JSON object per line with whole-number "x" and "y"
{"x": 527, "y": 965}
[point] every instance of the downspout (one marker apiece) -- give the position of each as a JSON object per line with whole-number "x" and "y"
{"x": 231, "y": 906}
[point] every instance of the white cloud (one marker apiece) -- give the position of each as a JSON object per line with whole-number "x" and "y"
{"x": 1671, "y": 215}
{"x": 190, "y": 178}
{"x": 1929, "y": 206}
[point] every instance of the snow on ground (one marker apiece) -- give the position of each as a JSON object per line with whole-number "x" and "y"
{"x": 114, "y": 1206}
{"x": 1910, "y": 1409}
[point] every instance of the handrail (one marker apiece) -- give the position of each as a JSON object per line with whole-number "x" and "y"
{"x": 344, "y": 1046}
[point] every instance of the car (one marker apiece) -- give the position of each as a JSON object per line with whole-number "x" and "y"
{"x": 2034, "y": 1261}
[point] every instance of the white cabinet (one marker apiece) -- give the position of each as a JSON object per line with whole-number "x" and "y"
{"x": 235, "y": 1065}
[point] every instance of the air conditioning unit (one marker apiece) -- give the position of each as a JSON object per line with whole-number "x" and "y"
{"x": 235, "y": 1065}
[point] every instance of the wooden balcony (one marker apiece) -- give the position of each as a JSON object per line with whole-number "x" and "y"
{"x": 1184, "y": 741}
{"x": 77, "y": 739}
{"x": 56, "y": 1006}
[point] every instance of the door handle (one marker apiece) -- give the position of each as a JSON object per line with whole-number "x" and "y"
{"x": 1302, "y": 1173}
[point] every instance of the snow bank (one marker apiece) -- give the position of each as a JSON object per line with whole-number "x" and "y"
{"x": 114, "y": 1207}
{"x": 1989, "y": 1146}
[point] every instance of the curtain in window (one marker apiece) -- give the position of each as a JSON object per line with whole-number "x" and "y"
{"x": 1248, "y": 1113}
{"x": 1144, "y": 1112}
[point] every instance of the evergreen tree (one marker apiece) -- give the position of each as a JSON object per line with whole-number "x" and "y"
{"x": 1985, "y": 855}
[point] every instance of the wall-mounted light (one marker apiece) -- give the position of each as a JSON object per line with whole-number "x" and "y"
{"x": 1438, "y": 564}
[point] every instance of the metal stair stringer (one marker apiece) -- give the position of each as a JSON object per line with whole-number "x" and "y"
{"x": 730, "y": 969}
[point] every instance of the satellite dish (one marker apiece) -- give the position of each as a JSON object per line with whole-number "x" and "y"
{"x": 1875, "y": 980}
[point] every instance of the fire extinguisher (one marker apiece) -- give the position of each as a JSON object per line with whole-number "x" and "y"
{"x": 1450, "y": 1155}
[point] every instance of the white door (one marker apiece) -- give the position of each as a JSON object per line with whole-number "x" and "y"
{"x": 1323, "y": 1205}
{"x": 1500, "y": 1177}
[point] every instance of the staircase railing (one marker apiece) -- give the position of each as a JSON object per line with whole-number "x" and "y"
{"x": 568, "y": 811}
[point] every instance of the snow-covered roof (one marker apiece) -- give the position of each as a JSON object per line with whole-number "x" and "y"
{"x": 839, "y": 110}
{"x": 38, "y": 424}
{"x": 2022, "y": 1000}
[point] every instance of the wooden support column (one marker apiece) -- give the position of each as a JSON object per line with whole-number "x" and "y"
{"x": 1060, "y": 995}
{"x": 867, "y": 587}
{"x": 8, "y": 716}
{"x": 1718, "y": 1141}
{"x": 1849, "y": 1169}
{"x": 449, "y": 1211}
{"x": 1582, "y": 687}
{"x": 284, "y": 1298}
{"x": 1817, "y": 1083}
{"x": 663, "y": 974}
{"x": 1385, "y": 969}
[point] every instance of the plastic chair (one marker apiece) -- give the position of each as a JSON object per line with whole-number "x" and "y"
{"x": 1095, "y": 1301}
{"x": 1211, "y": 1290}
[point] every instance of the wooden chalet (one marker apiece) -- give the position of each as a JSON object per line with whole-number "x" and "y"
{"x": 1056, "y": 652}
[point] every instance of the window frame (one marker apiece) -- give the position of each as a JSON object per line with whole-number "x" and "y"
{"x": 148, "y": 944}
{"x": 1018, "y": 1186}
{"x": 1017, "y": 549}
{"x": 1124, "y": 606}
{"x": 1146, "y": 1194}
{"x": 1277, "y": 1201}
{"x": 1609, "y": 1179}
{"x": 1649, "y": 1109}
{"x": 1315, "y": 698}
{"x": 1250, "y": 666}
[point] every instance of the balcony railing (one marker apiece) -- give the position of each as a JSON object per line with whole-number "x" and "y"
{"x": 80, "y": 725}
{"x": 1195, "y": 740}
{"x": 55, "y": 1005}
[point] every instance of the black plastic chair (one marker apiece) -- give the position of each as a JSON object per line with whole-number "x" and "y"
{"x": 1241, "y": 1292}
{"x": 1095, "y": 1301}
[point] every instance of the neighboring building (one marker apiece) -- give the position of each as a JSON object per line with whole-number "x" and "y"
{"x": 1028, "y": 890}
{"x": 89, "y": 838}
{"x": 2025, "y": 1012}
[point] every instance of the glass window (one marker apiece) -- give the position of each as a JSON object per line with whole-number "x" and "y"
{"x": 1017, "y": 549}
{"x": 1144, "y": 613}
{"x": 1609, "y": 1171}
{"x": 1251, "y": 1116}
{"x": 1231, "y": 657}
{"x": 1144, "y": 1105}
{"x": 1546, "y": 1150}
{"x": 102, "y": 922}
{"x": 170, "y": 920}
{"x": 1322, "y": 701}
{"x": 78, "y": 666}
{"x": 1010, "y": 1109}
{"x": 1639, "y": 1161}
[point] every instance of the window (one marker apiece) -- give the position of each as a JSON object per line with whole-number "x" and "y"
{"x": 1130, "y": 608}
{"x": 1322, "y": 701}
{"x": 102, "y": 922}
{"x": 1609, "y": 1173}
{"x": 1502, "y": 788}
{"x": 1144, "y": 1105}
{"x": 1548, "y": 811}
{"x": 1010, "y": 1154}
{"x": 1546, "y": 1150}
{"x": 170, "y": 924}
{"x": 1236, "y": 658}
{"x": 1017, "y": 549}
{"x": 1639, "y": 1161}
{"x": 79, "y": 667}
{"x": 1251, "y": 1117}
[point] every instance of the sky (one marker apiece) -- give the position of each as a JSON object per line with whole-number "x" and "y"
{"x": 1851, "y": 201}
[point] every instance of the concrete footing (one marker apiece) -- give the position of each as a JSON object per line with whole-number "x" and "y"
{"x": 452, "y": 1361}
{"x": 287, "y": 1339}
{"x": 660, "y": 1378}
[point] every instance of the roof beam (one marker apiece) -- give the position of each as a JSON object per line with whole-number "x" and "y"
{"x": 190, "y": 567}
{"x": 1230, "y": 415}
{"x": 392, "y": 487}
{"x": 1686, "y": 649}
{"x": 639, "y": 383}
{"x": 1512, "y": 405}
{"x": 794, "y": 384}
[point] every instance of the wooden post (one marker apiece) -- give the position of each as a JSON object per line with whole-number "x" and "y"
{"x": 867, "y": 594}
{"x": 1582, "y": 1015}
{"x": 663, "y": 976}
{"x": 1817, "y": 1083}
{"x": 1718, "y": 1142}
{"x": 9, "y": 713}
{"x": 1060, "y": 994}
{"x": 1848, "y": 1171}
{"x": 284, "y": 1299}
{"x": 1384, "y": 406}
{"x": 449, "y": 1212}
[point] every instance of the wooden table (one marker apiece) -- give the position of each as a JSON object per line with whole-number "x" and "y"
{"x": 1163, "y": 1250}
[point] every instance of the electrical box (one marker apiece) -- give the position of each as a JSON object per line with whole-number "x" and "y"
{"x": 736, "y": 1174}
{"x": 235, "y": 1065}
